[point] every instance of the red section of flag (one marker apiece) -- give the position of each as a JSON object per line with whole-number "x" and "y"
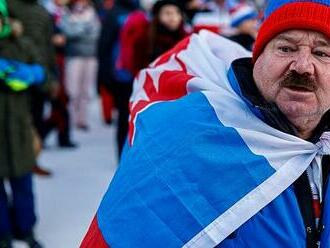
{"x": 171, "y": 85}
{"x": 182, "y": 45}
{"x": 94, "y": 237}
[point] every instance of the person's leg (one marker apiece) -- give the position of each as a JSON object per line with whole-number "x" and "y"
{"x": 6, "y": 242}
{"x": 38, "y": 99}
{"x": 52, "y": 120}
{"x": 37, "y": 145}
{"x": 63, "y": 126}
{"x": 49, "y": 125}
{"x": 5, "y": 227}
{"x": 87, "y": 84}
{"x": 122, "y": 93}
{"x": 73, "y": 79}
{"x": 107, "y": 104}
{"x": 23, "y": 212}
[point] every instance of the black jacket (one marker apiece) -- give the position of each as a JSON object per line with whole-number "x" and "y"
{"x": 109, "y": 38}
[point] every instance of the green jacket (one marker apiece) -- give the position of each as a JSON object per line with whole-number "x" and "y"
{"x": 16, "y": 150}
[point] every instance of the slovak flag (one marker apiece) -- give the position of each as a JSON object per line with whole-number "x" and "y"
{"x": 200, "y": 163}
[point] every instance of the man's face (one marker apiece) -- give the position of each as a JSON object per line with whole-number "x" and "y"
{"x": 294, "y": 72}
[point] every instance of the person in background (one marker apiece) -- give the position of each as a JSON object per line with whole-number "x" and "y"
{"x": 134, "y": 40}
{"x": 216, "y": 19}
{"x": 166, "y": 28}
{"x": 81, "y": 26}
{"x": 244, "y": 18}
{"x": 110, "y": 76}
{"x": 102, "y": 6}
{"x": 37, "y": 26}
{"x": 59, "y": 117}
{"x": 192, "y": 7}
{"x": 144, "y": 39}
{"x": 20, "y": 69}
{"x": 106, "y": 98}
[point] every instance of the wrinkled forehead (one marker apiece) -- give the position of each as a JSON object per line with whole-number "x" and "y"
{"x": 303, "y": 36}
{"x": 275, "y": 4}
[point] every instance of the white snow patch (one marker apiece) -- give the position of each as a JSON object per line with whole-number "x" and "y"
{"x": 67, "y": 201}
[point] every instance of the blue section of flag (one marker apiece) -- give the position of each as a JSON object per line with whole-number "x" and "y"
{"x": 278, "y": 225}
{"x": 235, "y": 86}
{"x": 163, "y": 194}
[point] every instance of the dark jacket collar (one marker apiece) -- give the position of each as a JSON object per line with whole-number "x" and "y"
{"x": 241, "y": 78}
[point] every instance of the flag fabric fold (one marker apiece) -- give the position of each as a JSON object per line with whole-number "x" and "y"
{"x": 200, "y": 163}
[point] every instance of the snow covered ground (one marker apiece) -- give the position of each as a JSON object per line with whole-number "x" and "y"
{"x": 67, "y": 202}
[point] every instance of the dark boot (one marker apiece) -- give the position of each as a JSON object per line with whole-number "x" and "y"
{"x": 5, "y": 242}
{"x": 29, "y": 239}
{"x": 32, "y": 242}
{"x": 37, "y": 170}
{"x": 66, "y": 143}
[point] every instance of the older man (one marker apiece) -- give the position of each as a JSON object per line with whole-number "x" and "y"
{"x": 241, "y": 159}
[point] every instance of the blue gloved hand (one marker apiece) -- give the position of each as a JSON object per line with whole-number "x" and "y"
{"x": 19, "y": 76}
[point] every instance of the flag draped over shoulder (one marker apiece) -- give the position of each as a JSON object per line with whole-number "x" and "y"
{"x": 200, "y": 162}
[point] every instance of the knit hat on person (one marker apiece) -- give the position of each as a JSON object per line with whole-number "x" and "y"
{"x": 283, "y": 15}
{"x": 5, "y": 29}
{"x": 240, "y": 13}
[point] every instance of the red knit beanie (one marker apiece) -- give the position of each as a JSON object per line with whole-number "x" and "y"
{"x": 282, "y": 15}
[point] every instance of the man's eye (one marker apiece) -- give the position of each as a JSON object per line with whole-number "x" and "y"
{"x": 285, "y": 49}
{"x": 322, "y": 54}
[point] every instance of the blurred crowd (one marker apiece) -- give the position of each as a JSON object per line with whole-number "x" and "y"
{"x": 56, "y": 54}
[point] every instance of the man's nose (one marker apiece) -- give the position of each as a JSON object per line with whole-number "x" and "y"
{"x": 303, "y": 63}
